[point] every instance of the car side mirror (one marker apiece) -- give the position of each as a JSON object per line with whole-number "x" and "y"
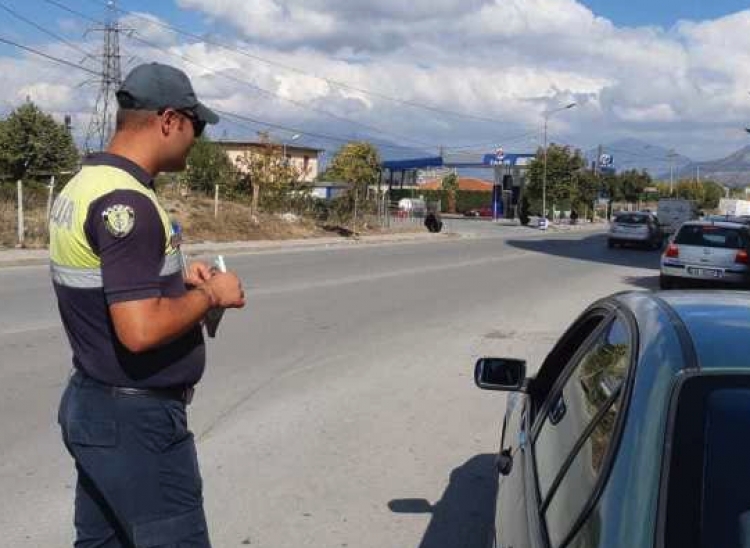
{"x": 505, "y": 374}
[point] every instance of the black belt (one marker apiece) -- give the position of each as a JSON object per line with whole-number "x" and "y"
{"x": 182, "y": 394}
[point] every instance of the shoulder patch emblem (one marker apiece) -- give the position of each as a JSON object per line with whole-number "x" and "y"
{"x": 119, "y": 220}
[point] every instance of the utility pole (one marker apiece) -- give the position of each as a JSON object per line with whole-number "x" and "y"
{"x": 671, "y": 155}
{"x": 546, "y": 115}
{"x": 101, "y": 125}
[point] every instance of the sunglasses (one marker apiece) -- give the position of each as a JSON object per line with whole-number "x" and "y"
{"x": 198, "y": 124}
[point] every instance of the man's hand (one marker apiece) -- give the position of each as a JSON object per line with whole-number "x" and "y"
{"x": 225, "y": 290}
{"x": 198, "y": 273}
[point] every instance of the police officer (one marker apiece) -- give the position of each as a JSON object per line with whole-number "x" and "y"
{"x": 133, "y": 321}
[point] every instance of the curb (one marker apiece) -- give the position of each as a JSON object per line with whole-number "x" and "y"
{"x": 36, "y": 257}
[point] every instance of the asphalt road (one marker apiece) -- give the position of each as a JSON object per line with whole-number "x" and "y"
{"x": 338, "y": 409}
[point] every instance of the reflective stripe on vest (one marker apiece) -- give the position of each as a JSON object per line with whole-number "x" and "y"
{"x": 83, "y": 278}
{"x": 91, "y": 278}
{"x": 69, "y": 247}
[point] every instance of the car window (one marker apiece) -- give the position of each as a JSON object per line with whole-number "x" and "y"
{"x": 708, "y": 489}
{"x": 712, "y": 236}
{"x": 583, "y": 414}
{"x": 632, "y": 219}
{"x": 561, "y": 355}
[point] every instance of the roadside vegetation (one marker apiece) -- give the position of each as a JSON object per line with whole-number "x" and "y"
{"x": 262, "y": 196}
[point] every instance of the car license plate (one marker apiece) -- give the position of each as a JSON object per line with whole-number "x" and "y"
{"x": 705, "y": 272}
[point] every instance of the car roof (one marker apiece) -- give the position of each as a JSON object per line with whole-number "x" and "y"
{"x": 722, "y": 224}
{"x": 718, "y": 323}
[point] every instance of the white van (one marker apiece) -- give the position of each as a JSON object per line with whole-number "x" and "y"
{"x": 672, "y": 212}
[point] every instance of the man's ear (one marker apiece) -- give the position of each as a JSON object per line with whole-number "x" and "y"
{"x": 168, "y": 122}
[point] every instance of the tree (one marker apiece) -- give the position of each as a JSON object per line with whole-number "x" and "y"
{"x": 705, "y": 193}
{"x": 588, "y": 188}
{"x": 631, "y": 184}
{"x": 563, "y": 165}
{"x": 358, "y": 164}
{"x": 31, "y": 142}
{"x": 450, "y": 186}
{"x": 208, "y": 165}
{"x": 268, "y": 176}
{"x": 712, "y": 194}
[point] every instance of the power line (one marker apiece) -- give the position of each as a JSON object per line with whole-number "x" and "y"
{"x": 74, "y": 12}
{"x": 50, "y": 57}
{"x": 500, "y": 141}
{"x": 323, "y": 136}
{"x": 638, "y": 154}
{"x": 141, "y": 39}
{"x": 264, "y": 91}
{"x": 45, "y": 30}
{"x": 224, "y": 113}
{"x": 332, "y": 82}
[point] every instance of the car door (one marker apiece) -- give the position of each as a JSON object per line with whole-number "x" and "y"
{"x": 572, "y": 434}
{"x": 515, "y": 525}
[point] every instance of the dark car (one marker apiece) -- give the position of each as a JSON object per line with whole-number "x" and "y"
{"x": 635, "y": 432}
{"x": 638, "y": 228}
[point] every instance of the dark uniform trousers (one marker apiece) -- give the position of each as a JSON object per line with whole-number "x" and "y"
{"x": 138, "y": 479}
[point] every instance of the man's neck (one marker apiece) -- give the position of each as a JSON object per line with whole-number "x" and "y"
{"x": 125, "y": 146}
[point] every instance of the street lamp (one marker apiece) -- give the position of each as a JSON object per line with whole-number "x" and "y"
{"x": 547, "y": 115}
{"x": 291, "y": 139}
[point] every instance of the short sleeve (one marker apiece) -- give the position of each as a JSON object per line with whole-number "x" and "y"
{"x": 125, "y": 230}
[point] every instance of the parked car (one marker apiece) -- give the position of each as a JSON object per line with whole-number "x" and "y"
{"x": 479, "y": 212}
{"x": 634, "y": 432}
{"x": 638, "y": 228}
{"x": 707, "y": 251}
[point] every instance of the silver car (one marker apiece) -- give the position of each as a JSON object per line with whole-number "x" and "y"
{"x": 715, "y": 252}
{"x": 638, "y": 228}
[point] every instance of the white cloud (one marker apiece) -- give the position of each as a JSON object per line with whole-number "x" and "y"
{"x": 684, "y": 87}
{"x": 150, "y": 27}
{"x": 52, "y": 96}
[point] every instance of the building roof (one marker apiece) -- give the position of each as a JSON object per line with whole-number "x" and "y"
{"x": 464, "y": 183}
{"x": 461, "y": 159}
{"x": 250, "y": 144}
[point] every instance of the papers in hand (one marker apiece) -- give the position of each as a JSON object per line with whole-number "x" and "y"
{"x": 214, "y": 315}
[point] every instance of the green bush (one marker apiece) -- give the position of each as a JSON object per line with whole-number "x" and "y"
{"x": 472, "y": 199}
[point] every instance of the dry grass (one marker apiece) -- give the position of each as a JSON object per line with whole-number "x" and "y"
{"x": 34, "y": 222}
{"x": 196, "y": 214}
{"x": 234, "y": 222}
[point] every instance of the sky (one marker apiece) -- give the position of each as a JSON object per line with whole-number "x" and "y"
{"x": 458, "y": 74}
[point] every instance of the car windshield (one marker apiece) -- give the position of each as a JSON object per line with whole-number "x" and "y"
{"x": 711, "y": 236}
{"x": 631, "y": 219}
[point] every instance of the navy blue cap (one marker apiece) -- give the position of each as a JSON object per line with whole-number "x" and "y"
{"x": 154, "y": 86}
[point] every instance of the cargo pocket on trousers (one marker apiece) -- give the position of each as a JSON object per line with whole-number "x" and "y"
{"x": 92, "y": 433}
{"x": 171, "y": 531}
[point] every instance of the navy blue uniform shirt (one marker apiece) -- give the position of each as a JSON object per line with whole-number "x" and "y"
{"x": 132, "y": 268}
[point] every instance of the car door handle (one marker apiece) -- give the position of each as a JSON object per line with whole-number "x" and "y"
{"x": 504, "y": 462}
{"x": 557, "y": 413}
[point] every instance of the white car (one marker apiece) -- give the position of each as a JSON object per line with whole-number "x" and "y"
{"x": 707, "y": 251}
